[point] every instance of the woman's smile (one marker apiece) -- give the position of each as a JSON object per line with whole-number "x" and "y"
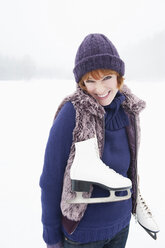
{"x": 102, "y": 97}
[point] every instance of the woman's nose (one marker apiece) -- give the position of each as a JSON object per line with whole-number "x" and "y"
{"x": 100, "y": 90}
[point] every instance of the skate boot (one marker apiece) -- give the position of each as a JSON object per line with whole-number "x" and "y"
{"x": 88, "y": 168}
{"x": 145, "y": 218}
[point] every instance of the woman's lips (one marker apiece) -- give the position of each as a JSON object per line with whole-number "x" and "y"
{"x": 103, "y": 97}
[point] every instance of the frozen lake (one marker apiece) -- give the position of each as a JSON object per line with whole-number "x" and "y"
{"x": 27, "y": 110}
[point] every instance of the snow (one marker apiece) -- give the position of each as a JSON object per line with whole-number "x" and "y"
{"x": 27, "y": 109}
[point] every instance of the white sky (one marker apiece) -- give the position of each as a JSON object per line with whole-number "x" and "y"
{"x": 43, "y": 28}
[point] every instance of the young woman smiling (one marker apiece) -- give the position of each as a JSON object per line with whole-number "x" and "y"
{"x": 102, "y": 107}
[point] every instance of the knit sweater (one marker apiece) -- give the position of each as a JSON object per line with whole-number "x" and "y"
{"x": 100, "y": 221}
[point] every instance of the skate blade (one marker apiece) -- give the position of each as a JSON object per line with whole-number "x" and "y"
{"x": 151, "y": 233}
{"x": 112, "y": 198}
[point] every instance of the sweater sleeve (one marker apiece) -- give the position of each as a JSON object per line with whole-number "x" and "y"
{"x": 51, "y": 180}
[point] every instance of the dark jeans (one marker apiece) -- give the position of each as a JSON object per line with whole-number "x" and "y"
{"x": 119, "y": 241}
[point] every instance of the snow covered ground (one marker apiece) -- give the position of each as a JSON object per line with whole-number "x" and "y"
{"x": 27, "y": 109}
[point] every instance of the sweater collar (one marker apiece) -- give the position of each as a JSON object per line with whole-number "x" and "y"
{"x": 115, "y": 117}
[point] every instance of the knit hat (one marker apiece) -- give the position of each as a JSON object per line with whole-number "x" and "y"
{"x": 97, "y": 52}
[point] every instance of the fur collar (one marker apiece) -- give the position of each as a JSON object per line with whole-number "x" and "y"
{"x": 132, "y": 103}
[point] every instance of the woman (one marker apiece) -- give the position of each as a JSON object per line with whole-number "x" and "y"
{"x": 102, "y": 107}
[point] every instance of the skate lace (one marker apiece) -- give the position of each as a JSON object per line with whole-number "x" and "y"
{"x": 145, "y": 207}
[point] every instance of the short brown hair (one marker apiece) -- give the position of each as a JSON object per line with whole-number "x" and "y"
{"x": 96, "y": 74}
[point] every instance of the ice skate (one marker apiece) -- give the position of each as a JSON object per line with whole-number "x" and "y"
{"x": 145, "y": 218}
{"x": 88, "y": 168}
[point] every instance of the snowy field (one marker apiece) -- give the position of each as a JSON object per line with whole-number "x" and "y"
{"x": 26, "y": 113}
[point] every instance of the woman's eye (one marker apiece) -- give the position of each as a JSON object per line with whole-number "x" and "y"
{"x": 107, "y": 77}
{"x": 89, "y": 81}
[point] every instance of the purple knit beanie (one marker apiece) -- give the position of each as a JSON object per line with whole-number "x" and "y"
{"x": 97, "y": 52}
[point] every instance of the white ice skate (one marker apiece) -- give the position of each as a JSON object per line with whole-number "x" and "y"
{"x": 88, "y": 168}
{"x": 145, "y": 218}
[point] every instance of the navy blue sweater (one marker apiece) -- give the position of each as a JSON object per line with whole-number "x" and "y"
{"x": 102, "y": 220}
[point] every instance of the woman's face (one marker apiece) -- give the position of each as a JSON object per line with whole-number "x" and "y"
{"x": 103, "y": 90}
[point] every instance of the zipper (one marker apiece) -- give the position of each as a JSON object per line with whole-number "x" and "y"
{"x": 102, "y": 149}
{"x": 136, "y": 156}
{"x": 74, "y": 228}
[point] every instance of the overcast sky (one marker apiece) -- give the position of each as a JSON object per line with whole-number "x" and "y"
{"x": 44, "y": 35}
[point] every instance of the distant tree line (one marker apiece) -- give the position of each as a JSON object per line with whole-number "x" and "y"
{"x": 12, "y": 68}
{"x": 144, "y": 60}
{"x": 24, "y": 68}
